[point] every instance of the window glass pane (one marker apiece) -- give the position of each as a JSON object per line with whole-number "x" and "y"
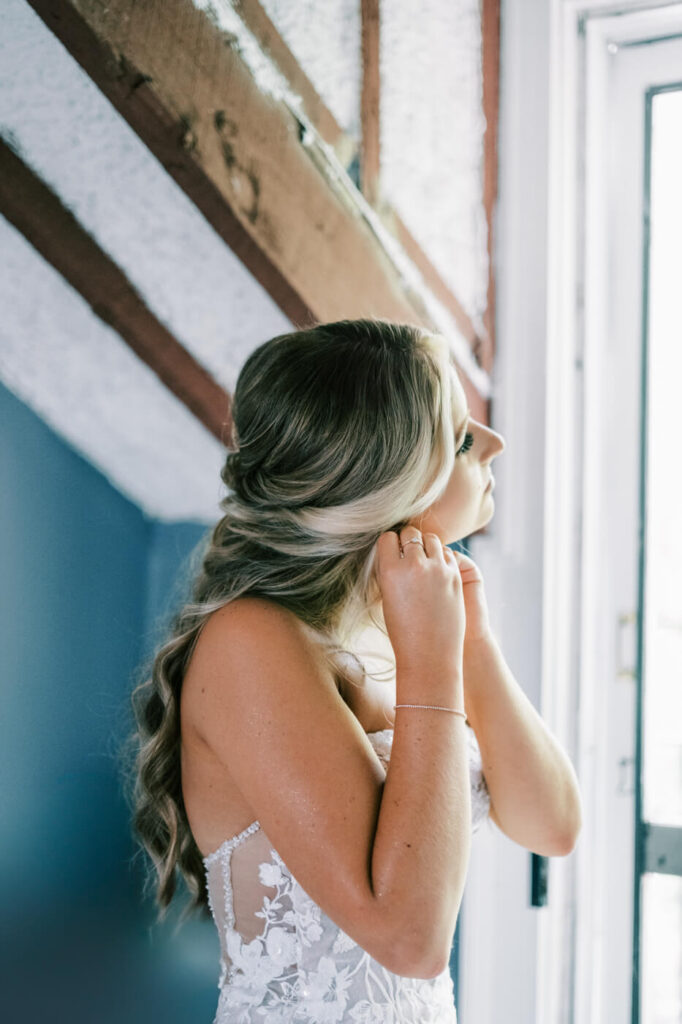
{"x": 661, "y": 981}
{"x": 662, "y": 670}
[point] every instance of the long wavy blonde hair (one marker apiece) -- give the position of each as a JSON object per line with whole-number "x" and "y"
{"x": 342, "y": 431}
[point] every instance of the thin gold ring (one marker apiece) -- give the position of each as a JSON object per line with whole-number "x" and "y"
{"x": 415, "y": 540}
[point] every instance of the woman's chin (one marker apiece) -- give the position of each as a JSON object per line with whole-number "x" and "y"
{"x": 485, "y": 515}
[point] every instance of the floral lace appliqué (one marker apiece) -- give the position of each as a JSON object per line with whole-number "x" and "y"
{"x": 302, "y": 968}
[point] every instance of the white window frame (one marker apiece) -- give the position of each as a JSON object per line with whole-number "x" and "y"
{"x": 594, "y": 336}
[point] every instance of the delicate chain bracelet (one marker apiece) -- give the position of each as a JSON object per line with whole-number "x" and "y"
{"x": 434, "y": 707}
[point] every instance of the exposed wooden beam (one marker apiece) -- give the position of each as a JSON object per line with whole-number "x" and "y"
{"x": 370, "y": 102}
{"x": 198, "y": 111}
{"x": 34, "y": 209}
{"x": 235, "y": 150}
{"x": 257, "y": 21}
{"x": 432, "y": 277}
{"x": 491, "y": 101}
{"x": 490, "y": 33}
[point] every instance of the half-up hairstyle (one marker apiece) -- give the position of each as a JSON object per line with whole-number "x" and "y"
{"x": 342, "y": 431}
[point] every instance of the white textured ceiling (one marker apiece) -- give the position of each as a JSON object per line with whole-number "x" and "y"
{"x": 432, "y": 129}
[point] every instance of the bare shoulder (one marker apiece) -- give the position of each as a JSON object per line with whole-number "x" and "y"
{"x": 250, "y": 646}
{"x": 251, "y": 616}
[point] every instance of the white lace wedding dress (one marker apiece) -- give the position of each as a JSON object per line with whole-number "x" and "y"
{"x": 284, "y": 960}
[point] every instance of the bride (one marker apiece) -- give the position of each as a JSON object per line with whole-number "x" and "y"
{"x": 318, "y": 807}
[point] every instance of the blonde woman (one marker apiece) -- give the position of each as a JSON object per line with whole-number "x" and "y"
{"x": 327, "y": 831}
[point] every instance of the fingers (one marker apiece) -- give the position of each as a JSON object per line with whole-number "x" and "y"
{"x": 449, "y": 555}
{"x": 468, "y": 570}
{"x": 433, "y": 546}
{"x": 397, "y": 544}
{"x": 429, "y": 546}
{"x": 388, "y": 545}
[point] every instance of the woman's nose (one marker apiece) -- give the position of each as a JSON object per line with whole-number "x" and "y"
{"x": 495, "y": 441}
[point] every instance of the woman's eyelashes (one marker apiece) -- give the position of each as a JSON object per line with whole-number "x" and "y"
{"x": 466, "y": 444}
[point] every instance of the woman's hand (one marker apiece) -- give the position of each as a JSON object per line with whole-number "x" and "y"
{"x": 422, "y": 600}
{"x": 475, "y": 603}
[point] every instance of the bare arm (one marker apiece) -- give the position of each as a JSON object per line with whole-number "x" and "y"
{"x": 533, "y": 786}
{"x": 423, "y": 837}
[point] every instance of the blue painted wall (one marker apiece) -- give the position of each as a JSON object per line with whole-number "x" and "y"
{"x": 85, "y": 582}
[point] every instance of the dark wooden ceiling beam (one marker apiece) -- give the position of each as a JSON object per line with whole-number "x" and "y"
{"x": 34, "y": 209}
{"x": 433, "y": 279}
{"x": 491, "y": 106}
{"x": 370, "y": 104}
